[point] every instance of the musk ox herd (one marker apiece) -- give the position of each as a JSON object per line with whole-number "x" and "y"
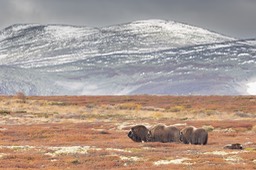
{"x": 163, "y": 133}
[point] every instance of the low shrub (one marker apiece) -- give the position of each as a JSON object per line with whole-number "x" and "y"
{"x": 208, "y": 128}
{"x": 21, "y": 97}
{"x": 58, "y": 103}
{"x": 157, "y": 115}
{"x": 4, "y": 112}
{"x": 175, "y": 108}
{"x": 129, "y": 106}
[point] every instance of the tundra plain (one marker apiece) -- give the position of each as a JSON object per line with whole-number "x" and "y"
{"x": 90, "y": 132}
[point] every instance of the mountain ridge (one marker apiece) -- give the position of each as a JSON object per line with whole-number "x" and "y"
{"x": 149, "y": 56}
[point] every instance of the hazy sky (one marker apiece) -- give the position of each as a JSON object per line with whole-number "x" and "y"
{"x": 231, "y": 17}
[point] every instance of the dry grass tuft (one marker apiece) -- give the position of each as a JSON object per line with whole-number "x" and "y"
{"x": 254, "y": 129}
{"x": 129, "y": 106}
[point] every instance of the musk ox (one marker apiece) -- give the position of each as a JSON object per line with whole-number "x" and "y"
{"x": 163, "y": 133}
{"x": 138, "y": 133}
{"x": 192, "y": 135}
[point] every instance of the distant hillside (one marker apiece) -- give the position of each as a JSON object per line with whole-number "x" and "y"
{"x": 142, "y": 57}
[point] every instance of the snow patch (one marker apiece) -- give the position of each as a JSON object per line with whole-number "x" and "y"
{"x": 18, "y": 27}
{"x": 3, "y": 56}
{"x": 178, "y": 31}
{"x": 2, "y": 155}
{"x": 118, "y": 150}
{"x": 2, "y": 36}
{"x": 221, "y": 153}
{"x": 251, "y": 88}
{"x": 69, "y": 150}
{"x": 70, "y": 85}
{"x": 174, "y": 161}
{"x": 61, "y": 32}
{"x": 25, "y": 147}
{"x": 132, "y": 158}
{"x": 233, "y": 159}
{"x": 244, "y": 55}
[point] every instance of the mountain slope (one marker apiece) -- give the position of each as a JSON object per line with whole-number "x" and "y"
{"x": 142, "y": 57}
{"x": 38, "y": 45}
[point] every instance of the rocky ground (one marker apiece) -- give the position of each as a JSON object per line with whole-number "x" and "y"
{"x": 83, "y": 132}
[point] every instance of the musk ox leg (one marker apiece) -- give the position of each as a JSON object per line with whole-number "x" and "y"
{"x": 176, "y": 137}
{"x": 144, "y": 139}
{"x": 194, "y": 140}
{"x": 201, "y": 141}
{"x": 205, "y": 139}
{"x": 185, "y": 141}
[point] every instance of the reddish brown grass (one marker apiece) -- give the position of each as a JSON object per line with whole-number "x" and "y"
{"x": 99, "y": 140}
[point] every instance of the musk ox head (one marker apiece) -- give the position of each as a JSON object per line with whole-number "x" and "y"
{"x": 183, "y": 139}
{"x": 138, "y": 133}
{"x": 186, "y": 134}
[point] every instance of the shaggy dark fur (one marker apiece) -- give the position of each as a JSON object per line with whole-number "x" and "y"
{"x": 163, "y": 133}
{"x": 195, "y": 136}
{"x": 234, "y": 146}
{"x": 138, "y": 133}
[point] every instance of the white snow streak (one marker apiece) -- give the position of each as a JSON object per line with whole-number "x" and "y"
{"x": 251, "y": 88}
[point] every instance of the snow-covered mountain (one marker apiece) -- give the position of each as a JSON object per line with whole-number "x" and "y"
{"x": 142, "y": 57}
